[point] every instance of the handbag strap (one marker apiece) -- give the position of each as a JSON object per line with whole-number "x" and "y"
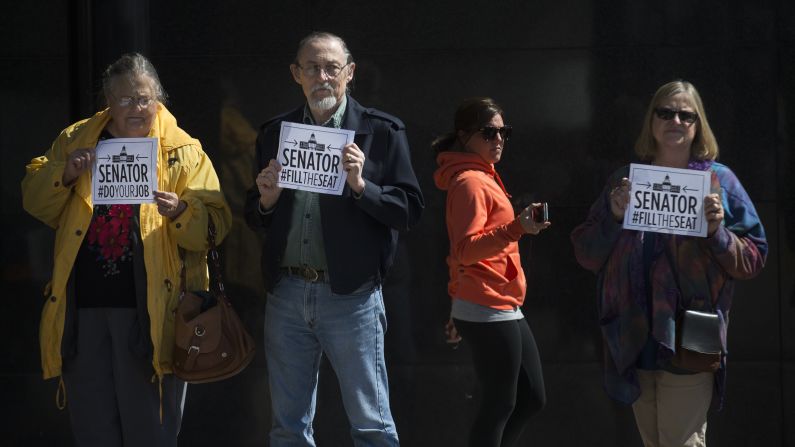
{"x": 213, "y": 263}
{"x": 675, "y": 273}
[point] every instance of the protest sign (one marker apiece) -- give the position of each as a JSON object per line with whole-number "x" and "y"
{"x": 311, "y": 157}
{"x": 125, "y": 171}
{"x": 667, "y": 200}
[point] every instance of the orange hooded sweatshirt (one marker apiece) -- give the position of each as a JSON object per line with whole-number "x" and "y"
{"x": 484, "y": 251}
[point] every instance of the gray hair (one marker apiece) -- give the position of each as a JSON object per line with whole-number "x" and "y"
{"x": 130, "y": 66}
{"x": 322, "y": 35}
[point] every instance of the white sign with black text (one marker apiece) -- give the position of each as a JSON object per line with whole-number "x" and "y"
{"x": 311, "y": 157}
{"x": 667, "y": 200}
{"x": 125, "y": 171}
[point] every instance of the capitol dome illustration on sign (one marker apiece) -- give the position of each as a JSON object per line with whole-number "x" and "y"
{"x": 666, "y": 186}
{"x": 312, "y": 144}
{"x": 123, "y": 157}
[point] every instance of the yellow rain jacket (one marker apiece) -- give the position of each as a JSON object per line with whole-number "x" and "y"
{"x": 183, "y": 168}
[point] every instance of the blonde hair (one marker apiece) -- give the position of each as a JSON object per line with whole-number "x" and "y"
{"x": 704, "y": 146}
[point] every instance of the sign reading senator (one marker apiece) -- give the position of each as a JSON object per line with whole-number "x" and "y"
{"x": 125, "y": 171}
{"x": 667, "y": 200}
{"x": 311, "y": 157}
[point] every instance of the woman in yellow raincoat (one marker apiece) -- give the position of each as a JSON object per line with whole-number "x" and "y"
{"x": 107, "y": 327}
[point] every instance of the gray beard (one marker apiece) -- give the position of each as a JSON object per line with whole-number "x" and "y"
{"x": 324, "y": 105}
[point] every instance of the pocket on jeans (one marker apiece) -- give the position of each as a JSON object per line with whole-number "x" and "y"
{"x": 362, "y": 293}
{"x": 272, "y": 299}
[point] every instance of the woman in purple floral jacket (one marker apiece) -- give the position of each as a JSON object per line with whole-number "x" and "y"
{"x": 646, "y": 280}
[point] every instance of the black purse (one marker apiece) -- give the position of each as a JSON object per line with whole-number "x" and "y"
{"x": 698, "y": 345}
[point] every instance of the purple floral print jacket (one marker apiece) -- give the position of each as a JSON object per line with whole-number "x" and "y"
{"x": 706, "y": 269}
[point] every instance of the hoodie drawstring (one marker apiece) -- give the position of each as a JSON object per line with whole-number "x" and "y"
{"x": 499, "y": 182}
{"x": 60, "y": 395}
{"x": 160, "y": 390}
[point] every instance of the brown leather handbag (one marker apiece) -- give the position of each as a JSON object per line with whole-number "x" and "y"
{"x": 211, "y": 342}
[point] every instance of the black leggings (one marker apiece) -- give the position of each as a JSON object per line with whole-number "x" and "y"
{"x": 508, "y": 368}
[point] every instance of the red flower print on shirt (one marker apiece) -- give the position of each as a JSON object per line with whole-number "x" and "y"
{"x": 94, "y": 229}
{"x": 120, "y": 216}
{"x": 112, "y": 241}
{"x": 109, "y": 235}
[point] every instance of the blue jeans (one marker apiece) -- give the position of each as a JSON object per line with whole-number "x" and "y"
{"x": 304, "y": 320}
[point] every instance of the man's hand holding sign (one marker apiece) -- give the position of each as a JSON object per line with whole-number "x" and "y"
{"x": 667, "y": 200}
{"x": 353, "y": 164}
{"x": 268, "y": 185}
{"x": 312, "y": 158}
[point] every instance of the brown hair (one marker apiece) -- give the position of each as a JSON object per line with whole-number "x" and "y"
{"x": 704, "y": 146}
{"x": 471, "y": 115}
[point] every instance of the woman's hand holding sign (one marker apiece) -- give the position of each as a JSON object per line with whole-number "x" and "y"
{"x": 619, "y": 199}
{"x": 713, "y": 211}
{"x": 353, "y": 164}
{"x": 268, "y": 185}
{"x": 77, "y": 162}
{"x": 168, "y": 204}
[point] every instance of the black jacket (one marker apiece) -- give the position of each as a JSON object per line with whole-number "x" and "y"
{"x": 360, "y": 236}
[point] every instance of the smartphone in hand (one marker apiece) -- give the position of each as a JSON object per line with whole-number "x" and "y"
{"x": 540, "y": 213}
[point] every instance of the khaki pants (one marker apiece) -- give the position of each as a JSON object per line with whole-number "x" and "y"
{"x": 672, "y": 409}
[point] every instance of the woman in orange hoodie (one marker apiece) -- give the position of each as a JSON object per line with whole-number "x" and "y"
{"x": 487, "y": 283}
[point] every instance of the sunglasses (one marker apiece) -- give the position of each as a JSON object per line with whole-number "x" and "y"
{"x": 490, "y": 132}
{"x": 668, "y": 114}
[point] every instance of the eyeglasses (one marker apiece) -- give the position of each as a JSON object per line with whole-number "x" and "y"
{"x": 490, "y": 132}
{"x": 127, "y": 101}
{"x": 313, "y": 70}
{"x": 669, "y": 114}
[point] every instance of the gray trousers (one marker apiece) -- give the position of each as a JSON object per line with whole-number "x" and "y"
{"x": 112, "y": 399}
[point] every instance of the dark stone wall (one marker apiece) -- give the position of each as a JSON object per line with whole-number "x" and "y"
{"x": 574, "y": 78}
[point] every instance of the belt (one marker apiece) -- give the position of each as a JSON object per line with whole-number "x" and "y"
{"x": 307, "y": 273}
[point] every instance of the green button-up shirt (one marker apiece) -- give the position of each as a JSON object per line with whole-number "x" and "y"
{"x": 305, "y": 238}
